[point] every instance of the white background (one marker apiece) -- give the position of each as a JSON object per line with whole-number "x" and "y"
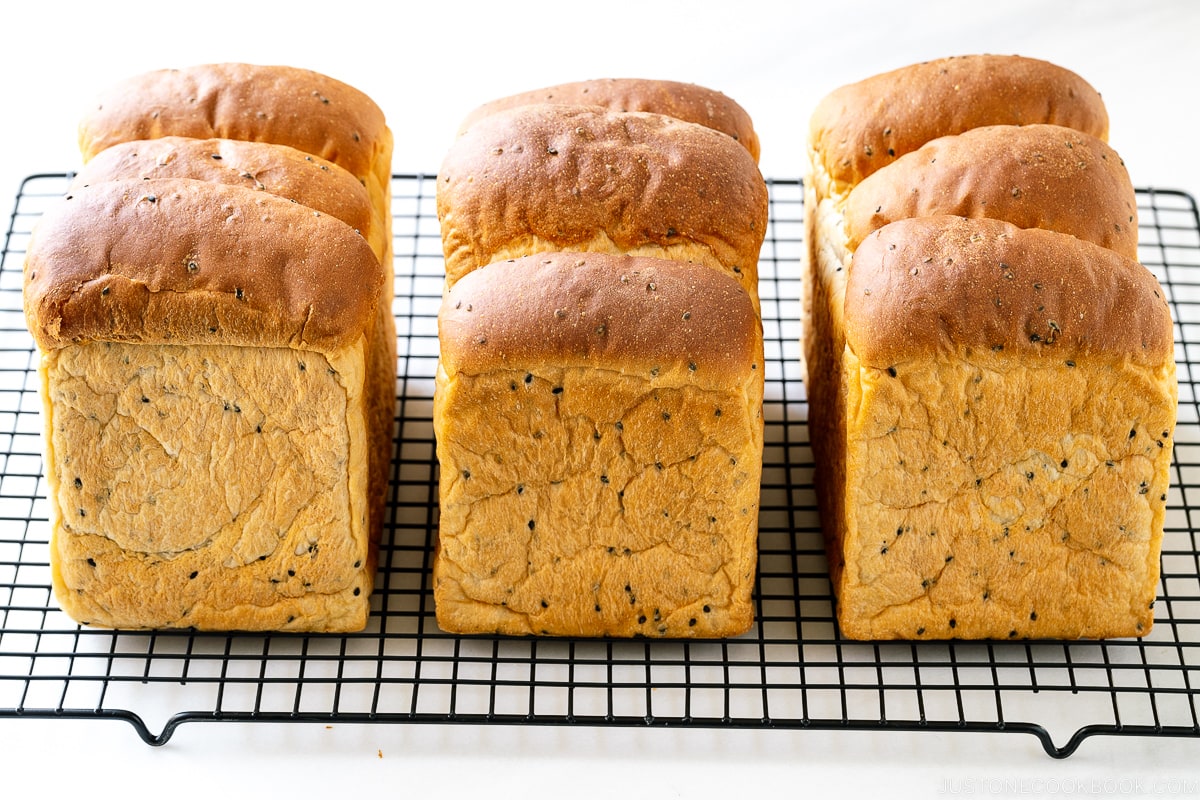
{"x": 427, "y": 66}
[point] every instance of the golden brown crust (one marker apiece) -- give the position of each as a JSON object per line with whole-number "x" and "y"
{"x": 278, "y": 169}
{"x": 865, "y": 125}
{"x": 1034, "y": 176}
{"x": 925, "y": 286}
{"x": 552, "y": 178}
{"x": 182, "y": 261}
{"x": 685, "y": 101}
{"x": 636, "y": 315}
{"x": 284, "y": 105}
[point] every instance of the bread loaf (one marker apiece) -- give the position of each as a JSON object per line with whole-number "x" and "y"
{"x": 598, "y": 404}
{"x": 685, "y": 101}
{"x": 213, "y": 305}
{"x": 205, "y": 366}
{"x": 990, "y": 373}
{"x": 600, "y": 449}
{"x": 545, "y": 178}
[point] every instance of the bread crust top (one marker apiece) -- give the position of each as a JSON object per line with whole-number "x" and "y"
{"x": 685, "y": 101}
{"x": 569, "y": 174}
{"x": 951, "y": 285}
{"x": 1034, "y": 176}
{"x": 278, "y": 169}
{"x": 300, "y": 108}
{"x": 633, "y": 315}
{"x": 863, "y": 126}
{"x": 178, "y": 261}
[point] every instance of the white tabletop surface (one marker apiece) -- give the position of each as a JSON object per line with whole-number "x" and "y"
{"x": 426, "y": 67}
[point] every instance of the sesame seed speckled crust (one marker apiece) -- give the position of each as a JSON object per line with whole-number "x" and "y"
{"x": 274, "y": 168}
{"x": 928, "y": 286}
{"x": 1034, "y": 176}
{"x": 284, "y": 105}
{"x": 685, "y": 101}
{"x": 547, "y": 178}
{"x": 604, "y": 311}
{"x": 863, "y": 126}
{"x": 183, "y": 261}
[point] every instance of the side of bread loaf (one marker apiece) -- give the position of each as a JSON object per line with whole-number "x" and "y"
{"x": 600, "y": 449}
{"x": 964, "y": 470}
{"x": 685, "y": 101}
{"x": 205, "y": 365}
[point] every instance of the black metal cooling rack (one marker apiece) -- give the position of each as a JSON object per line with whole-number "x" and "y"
{"x": 791, "y": 671}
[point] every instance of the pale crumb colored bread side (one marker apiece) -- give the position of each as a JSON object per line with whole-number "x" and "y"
{"x": 1010, "y": 403}
{"x": 863, "y": 126}
{"x": 208, "y": 486}
{"x": 600, "y": 449}
{"x": 685, "y": 101}
{"x": 547, "y": 178}
{"x": 207, "y": 375}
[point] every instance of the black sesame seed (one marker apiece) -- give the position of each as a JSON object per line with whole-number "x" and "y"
{"x": 357, "y": 591}
{"x": 892, "y": 371}
{"x": 192, "y": 577}
{"x": 466, "y": 473}
{"x": 78, "y": 483}
{"x": 531, "y": 524}
{"x": 953, "y": 622}
{"x": 556, "y": 390}
{"x": 91, "y": 562}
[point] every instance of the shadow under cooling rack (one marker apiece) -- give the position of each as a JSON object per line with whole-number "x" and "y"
{"x": 792, "y": 670}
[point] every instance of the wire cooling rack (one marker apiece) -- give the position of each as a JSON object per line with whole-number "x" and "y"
{"x": 792, "y": 670}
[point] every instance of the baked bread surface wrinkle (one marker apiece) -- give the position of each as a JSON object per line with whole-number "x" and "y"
{"x": 961, "y": 524}
{"x": 280, "y": 104}
{"x": 273, "y": 168}
{"x": 1034, "y": 176}
{"x": 600, "y": 471}
{"x": 208, "y": 486}
{"x": 936, "y": 285}
{"x": 554, "y": 178}
{"x": 686, "y": 101}
{"x": 863, "y": 126}
{"x": 603, "y": 311}
{"x": 186, "y": 261}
